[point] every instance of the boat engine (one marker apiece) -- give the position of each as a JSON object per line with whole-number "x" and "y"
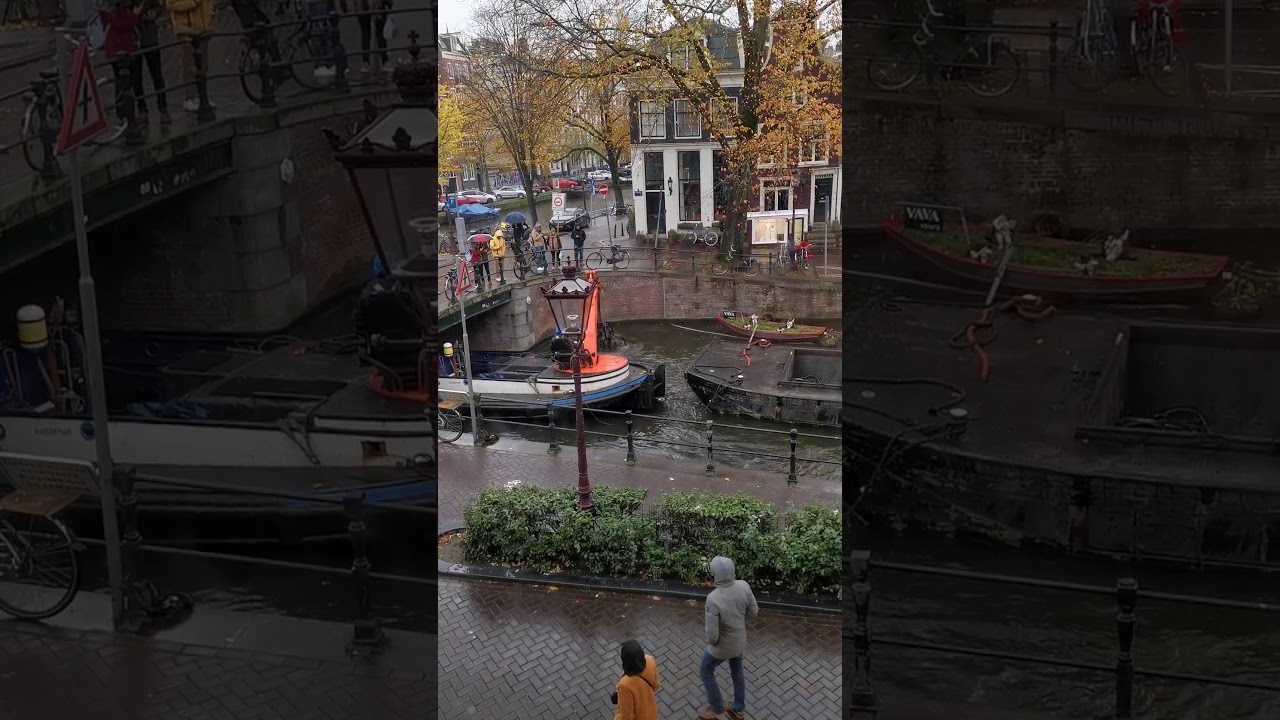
{"x": 392, "y": 320}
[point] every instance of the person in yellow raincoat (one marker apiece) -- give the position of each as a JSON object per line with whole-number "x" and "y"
{"x": 498, "y": 246}
{"x": 192, "y": 20}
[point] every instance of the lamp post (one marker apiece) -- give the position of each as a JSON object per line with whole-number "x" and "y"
{"x": 570, "y": 301}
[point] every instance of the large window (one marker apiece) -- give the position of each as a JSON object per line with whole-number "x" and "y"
{"x": 653, "y": 171}
{"x": 682, "y": 55}
{"x": 653, "y": 120}
{"x": 775, "y": 195}
{"x": 688, "y": 123}
{"x": 690, "y": 163}
{"x": 814, "y": 146}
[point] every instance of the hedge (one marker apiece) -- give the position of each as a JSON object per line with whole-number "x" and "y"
{"x": 541, "y": 529}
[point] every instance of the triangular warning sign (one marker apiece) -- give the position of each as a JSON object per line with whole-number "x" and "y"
{"x": 464, "y": 281}
{"x": 82, "y": 116}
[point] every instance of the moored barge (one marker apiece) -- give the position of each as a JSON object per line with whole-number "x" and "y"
{"x": 780, "y": 383}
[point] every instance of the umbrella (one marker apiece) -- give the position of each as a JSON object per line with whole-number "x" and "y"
{"x": 517, "y": 218}
{"x": 482, "y": 239}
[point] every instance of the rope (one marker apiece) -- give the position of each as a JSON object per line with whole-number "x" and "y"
{"x": 1029, "y": 307}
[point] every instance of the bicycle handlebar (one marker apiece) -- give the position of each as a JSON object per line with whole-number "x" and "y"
{"x": 932, "y": 10}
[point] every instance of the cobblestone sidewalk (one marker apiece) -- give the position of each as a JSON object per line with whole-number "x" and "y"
{"x": 541, "y": 653}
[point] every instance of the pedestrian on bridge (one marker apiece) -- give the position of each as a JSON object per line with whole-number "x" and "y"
{"x": 149, "y": 41}
{"x": 498, "y": 246}
{"x": 634, "y": 694}
{"x": 119, "y": 45}
{"x": 373, "y": 27}
{"x": 728, "y": 607}
{"x": 539, "y": 242}
{"x": 192, "y": 20}
{"x": 557, "y": 251}
{"x": 579, "y": 236}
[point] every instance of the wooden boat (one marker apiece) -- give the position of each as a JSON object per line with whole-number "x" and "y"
{"x": 1093, "y": 435}
{"x": 1047, "y": 266}
{"x": 768, "y": 328}
{"x": 784, "y": 384}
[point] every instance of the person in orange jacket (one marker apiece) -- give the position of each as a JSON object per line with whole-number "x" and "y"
{"x": 498, "y": 247}
{"x": 634, "y": 695}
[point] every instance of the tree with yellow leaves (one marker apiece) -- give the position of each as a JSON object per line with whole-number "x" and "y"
{"x": 451, "y": 123}
{"x": 788, "y": 94}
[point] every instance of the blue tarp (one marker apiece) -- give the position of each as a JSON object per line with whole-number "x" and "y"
{"x": 476, "y": 210}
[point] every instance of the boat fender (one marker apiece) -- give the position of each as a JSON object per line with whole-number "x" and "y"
{"x": 33, "y": 330}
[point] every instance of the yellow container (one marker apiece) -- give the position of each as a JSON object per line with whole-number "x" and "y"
{"x": 33, "y": 330}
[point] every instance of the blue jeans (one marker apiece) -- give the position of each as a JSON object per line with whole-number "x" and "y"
{"x": 707, "y": 671}
{"x": 318, "y": 31}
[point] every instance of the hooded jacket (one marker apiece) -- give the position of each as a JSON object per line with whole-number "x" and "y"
{"x": 190, "y": 17}
{"x": 635, "y": 693}
{"x": 498, "y": 245}
{"x": 728, "y": 607}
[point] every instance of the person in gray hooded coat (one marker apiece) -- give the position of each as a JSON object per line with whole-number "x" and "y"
{"x": 728, "y": 607}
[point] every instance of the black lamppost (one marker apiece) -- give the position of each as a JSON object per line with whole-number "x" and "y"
{"x": 570, "y": 301}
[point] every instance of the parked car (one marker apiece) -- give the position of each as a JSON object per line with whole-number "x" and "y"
{"x": 506, "y": 192}
{"x": 441, "y": 208}
{"x": 599, "y": 175}
{"x": 565, "y": 219}
{"x": 463, "y": 199}
{"x": 563, "y": 184}
{"x": 476, "y": 196}
{"x": 541, "y": 187}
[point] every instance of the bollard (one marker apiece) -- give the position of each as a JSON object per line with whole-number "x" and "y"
{"x": 340, "y": 83}
{"x": 862, "y": 699}
{"x": 553, "y": 447}
{"x": 1053, "y": 57}
{"x": 269, "y": 67}
{"x": 368, "y": 629}
{"x": 711, "y": 463}
{"x": 791, "y": 476}
{"x": 204, "y": 113}
{"x": 1126, "y": 601}
{"x": 631, "y": 441}
{"x": 126, "y": 108}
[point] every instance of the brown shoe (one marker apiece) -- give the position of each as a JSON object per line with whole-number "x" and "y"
{"x": 735, "y": 715}
{"x": 706, "y": 713}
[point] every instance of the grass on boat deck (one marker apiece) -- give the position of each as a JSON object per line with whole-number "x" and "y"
{"x": 1032, "y": 251}
{"x": 745, "y": 324}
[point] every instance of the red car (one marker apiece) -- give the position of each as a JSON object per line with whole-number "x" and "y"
{"x": 541, "y": 187}
{"x": 465, "y": 200}
{"x": 563, "y": 184}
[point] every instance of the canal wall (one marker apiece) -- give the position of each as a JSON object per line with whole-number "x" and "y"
{"x": 1143, "y": 168}
{"x": 645, "y": 295}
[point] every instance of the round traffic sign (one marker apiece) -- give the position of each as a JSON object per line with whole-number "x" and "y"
{"x": 557, "y": 201}
{"x": 604, "y": 190}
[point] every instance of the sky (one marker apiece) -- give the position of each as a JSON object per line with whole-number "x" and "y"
{"x": 455, "y": 15}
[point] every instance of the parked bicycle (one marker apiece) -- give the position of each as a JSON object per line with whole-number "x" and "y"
{"x": 1092, "y": 61}
{"x": 735, "y": 262}
{"x": 1155, "y": 50}
{"x": 705, "y": 235}
{"x": 803, "y": 264}
{"x": 618, "y": 257}
{"x": 291, "y": 59}
{"x": 449, "y": 422}
{"x": 986, "y": 64}
{"x": 42, "y": 118}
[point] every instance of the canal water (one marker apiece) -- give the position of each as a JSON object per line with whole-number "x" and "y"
{"x": 1244, "y": 645}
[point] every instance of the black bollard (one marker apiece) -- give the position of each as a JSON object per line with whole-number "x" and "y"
{"x": 340, "y": 83}
{"x": 199, "y": 44}
{"x": 862, "y": 699}
{"x": 711, "y": 462}
{"x": 791, "y": 476}
{"x": 269, "y": 67}
{"x": 631, "y": 443}
{"x": 1126, "y": 601}
{"x": 553, "y": 447}
{"x": 368, "y": 628}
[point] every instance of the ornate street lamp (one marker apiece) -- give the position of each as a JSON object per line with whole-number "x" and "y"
{"x": 391, "y": 160}
{"x": 570, "y": 301}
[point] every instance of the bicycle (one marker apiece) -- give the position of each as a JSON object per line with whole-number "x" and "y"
{"x": 804, "y": 264}
{"x": 1154, "y": 51}
{"x": 449, "y": 422}
{"x": 618, "y": 257}
{"x": 981, "y": 57}
{"x": 38, "y": 553}
{"x": 42, "y": 118}
{"x": 733, "y": 262}
{"x": 294, "y": 60}
{"x": 705, "y": 235}
{"x": 1092, "y": 61}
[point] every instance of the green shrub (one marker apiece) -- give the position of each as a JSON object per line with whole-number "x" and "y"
{"x": 539, "y": 528}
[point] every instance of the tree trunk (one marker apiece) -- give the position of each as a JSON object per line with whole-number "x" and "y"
{"x": 737, "y": 204}
{"x": 619, "y": 201}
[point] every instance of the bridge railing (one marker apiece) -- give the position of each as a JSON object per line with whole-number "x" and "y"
{"x": 713, "y": 448}
{"x": 862, "y": 700}
{"x": 142, "y": 598}
{"x": 308, "y": 53}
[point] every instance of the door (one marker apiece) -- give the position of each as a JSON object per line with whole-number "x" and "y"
{"x": 655, "y": 211}
{"x": 822, "y": 191}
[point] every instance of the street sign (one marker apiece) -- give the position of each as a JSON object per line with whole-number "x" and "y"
{"x": 82, "y": 116}
{"x": 557, "y": 201}
{"x": 604, "y": 190}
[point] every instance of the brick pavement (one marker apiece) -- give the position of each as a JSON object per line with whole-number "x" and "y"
{"x": 538, "y": 653}
{"x": 47, "y": 672}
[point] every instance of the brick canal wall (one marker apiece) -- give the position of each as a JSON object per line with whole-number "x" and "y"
{"x": 1165, "y": 170}
{"x": 631, "y": 295}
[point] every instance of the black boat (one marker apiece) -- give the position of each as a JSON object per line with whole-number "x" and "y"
{"x": 781, "y": 383}
{"x": 1090, "y": 434}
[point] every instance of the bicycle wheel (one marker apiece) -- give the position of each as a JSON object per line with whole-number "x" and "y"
{"x": 752, "y": 269}
{"x": 38, "y": 566}
{"x": 1090, "y": 73}
{"x": 721, "y": 268}
{"x": 620, "y": 260}
{"x": 518, "y": 269}
{"x": 898, "y": 70}
{"x": 302, "y": 64}
{"x": 999, "y": 73}
{"x": 595, "y": 260}
{"x": 1170, "y": 73}
{"x": 32, "y": 145}
{"x": 711, "y": 238}
{"x": 251, "y": 65}
{"x": 451, "y": 287}
{"x": 449, "y": 425}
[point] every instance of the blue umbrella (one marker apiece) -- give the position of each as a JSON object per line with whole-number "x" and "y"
{"x": 517, "y": 218}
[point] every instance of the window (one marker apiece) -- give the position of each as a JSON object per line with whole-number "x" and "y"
{"x": 815, "y": 147}
{"x": 653, "y": 171}
{"x": 690, "y": 165}
{"x": 688, "y": 123}
{"x": 682, "y": 56}
{"x": 775, "y": 195}
{"x": 653, "y": 120}
{"x": 725, "y": 113}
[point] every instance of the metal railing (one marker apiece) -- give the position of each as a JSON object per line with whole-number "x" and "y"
{"x": 862, "y": 700}
{"x": 270, "y": 56}
{"x": 141, "y": 597}
{"x": 709, "y": 449}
